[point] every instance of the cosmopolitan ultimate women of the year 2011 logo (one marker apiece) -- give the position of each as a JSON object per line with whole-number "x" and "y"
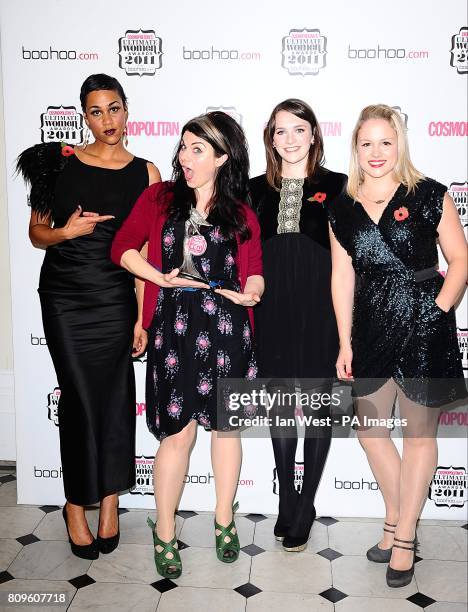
{"x": 62, "y": 124}
{"x": 459, "y": 51}
{"x": 140, "y": 52}
{"x": 448, "y": 487}
{"x": 304, "y": 51}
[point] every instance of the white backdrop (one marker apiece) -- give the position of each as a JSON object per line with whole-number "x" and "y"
{"x": 176, "y": 60}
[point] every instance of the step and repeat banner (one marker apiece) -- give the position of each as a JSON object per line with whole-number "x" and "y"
{"x": 174, "y": 62}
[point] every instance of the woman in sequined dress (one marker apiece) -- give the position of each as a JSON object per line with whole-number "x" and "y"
{"x": 396, "y": 324}
{"x": 295, "y": 325}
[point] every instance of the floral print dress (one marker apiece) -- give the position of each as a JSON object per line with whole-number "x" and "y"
{"x": 196, "y": 337}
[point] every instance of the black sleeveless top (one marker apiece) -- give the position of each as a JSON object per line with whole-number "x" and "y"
{"x": 83, "y": 263}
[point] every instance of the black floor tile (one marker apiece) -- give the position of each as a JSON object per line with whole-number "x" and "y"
{"x": 186, "y": 514}
{"x": 5, "y": 577}
{"x": 256, "y": 518}
{"x": 421, "y": 600}
{"x": 30, "y": 538}
{"x": 7, "y": 478}
{"x": 164, "y": 585}
{"x": 248, "y": 590}
{"x": 330, "y": 554}
{"x": 48, "y": 509}
{"x": 253, "y": 550}
{"x": 81, "y": 581}
{"x": 123, "y": 511}
{"x": 326, "y": 520}
{"x": 182, "y": 545}
{"x": 333, "y": 595}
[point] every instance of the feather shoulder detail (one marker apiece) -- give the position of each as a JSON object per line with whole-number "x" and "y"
{"x": 40, "y": 166}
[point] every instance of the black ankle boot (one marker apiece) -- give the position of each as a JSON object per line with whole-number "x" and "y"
{"x": 297, "y": 543}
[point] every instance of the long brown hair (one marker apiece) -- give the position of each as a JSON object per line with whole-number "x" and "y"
{"x": 316, "y": 158}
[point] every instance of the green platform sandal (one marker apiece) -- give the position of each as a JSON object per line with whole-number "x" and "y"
{"x": 227, "y": 540}
{"x": 166, "y": 567}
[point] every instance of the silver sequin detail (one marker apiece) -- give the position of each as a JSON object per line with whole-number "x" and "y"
{"x": 290, "y": 205}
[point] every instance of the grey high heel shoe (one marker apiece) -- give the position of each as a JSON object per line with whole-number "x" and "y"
{"x": 381, "y": 555}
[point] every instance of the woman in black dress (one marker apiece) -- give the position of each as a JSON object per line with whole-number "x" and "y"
{"x": 295, "y": 325}
{"x": 205, "y": 256}
{"x": 397, "y": 324}
{"x": 79, "y": 198}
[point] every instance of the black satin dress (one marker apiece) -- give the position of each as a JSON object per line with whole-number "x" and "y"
{"x": 398, "y": 330}
{"x": 89, "y": 310}
{"x": 295, "y": 326}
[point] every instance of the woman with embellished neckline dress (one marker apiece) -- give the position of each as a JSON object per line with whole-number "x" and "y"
{"x": 295, "y": 326}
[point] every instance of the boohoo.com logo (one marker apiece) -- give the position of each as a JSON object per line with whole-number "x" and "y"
{"x": 62, "y": 124}
{"x": 459, "y": 51}
{"x": 304, "y": 51}
{"x": 140, "y": 52}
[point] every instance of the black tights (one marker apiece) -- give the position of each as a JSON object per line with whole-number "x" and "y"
{"x": 296, "y": 511}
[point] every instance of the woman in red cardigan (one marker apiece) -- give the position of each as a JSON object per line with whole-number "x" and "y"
{"x": 204, "y": 267}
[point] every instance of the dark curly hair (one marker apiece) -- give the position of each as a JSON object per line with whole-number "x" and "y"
{"x": 226, "y": 136}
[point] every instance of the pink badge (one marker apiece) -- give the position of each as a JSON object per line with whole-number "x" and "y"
{"x": 196, "y": 245}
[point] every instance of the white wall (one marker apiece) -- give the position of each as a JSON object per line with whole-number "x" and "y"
{"x": 7, "y": 413}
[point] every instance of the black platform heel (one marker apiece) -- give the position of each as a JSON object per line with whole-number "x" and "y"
{"x": 86, "y": 551}
{"x": 108, "y": 545}
{"x": 400, "y": 578}
{"x": 299, "y": 543}
{"x": 381, "y": 555}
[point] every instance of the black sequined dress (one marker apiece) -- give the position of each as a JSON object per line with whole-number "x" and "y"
{"x": 398, "y": 330}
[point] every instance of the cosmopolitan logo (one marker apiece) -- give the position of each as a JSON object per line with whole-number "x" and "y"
{"x": 356, "y": 485}
{"x": 448, "y": 128}
{"x": 212, "y": 54}
{"x": 459, "y": 194}
{"x": 304, "y": 52}
{"x": 298, "y": 477}
{"x": 140, "y": 408}
{"x": 153, "y": 128}
{"x": 52, "y": 405}
{"x": 459, "y": 51}
{"x": 62, "y": 123}
{"x": 380, "y": 53}
{"x": 462, "y": 335}
{"x": 448, "y": 487}
{"x": 54, "y": 54}
{"x": 38, "y": 341}
{"x": 330, "y": 128}
{"x": 47, "y": 472}
{"x": 140, "y": 52}
{"x": 453, "y": 418}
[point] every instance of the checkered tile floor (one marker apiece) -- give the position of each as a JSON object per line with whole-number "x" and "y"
{"x": 332, "y": 574}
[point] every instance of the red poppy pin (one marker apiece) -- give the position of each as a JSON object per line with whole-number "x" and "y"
{"x": 67, "y": 150}
{"x": 319, "y": 197}
{"x": 401, "y": 213}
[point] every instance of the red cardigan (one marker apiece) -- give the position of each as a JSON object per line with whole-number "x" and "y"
{"x": 145, "y": 224}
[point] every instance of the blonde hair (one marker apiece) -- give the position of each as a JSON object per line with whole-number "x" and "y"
{"x": 404, "y": 171}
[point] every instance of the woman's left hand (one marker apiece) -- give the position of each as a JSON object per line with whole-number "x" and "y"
{"x": 140, "y": 340}
{"x": 243, "y": 299}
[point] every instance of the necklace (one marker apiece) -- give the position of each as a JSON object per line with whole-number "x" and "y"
{"x": 378, "y": 201}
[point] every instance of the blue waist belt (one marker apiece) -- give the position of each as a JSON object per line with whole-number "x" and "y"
{"x": 214, "y": 284}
